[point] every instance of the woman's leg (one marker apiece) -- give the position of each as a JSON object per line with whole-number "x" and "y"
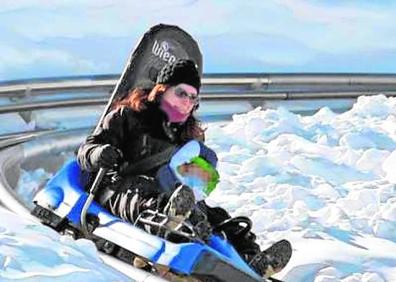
{"x": 246, "y": 245}
{"x": 132, "y": 196}
{"x": 138, "y": 193}
{"x": 266, "y": 262}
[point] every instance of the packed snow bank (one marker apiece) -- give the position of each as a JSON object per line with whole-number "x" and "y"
{"x": 32, "y": 252}
{"x": 325, "y": 182}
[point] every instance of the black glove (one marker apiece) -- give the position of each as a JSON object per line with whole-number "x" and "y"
{"x": 105, "y": 156}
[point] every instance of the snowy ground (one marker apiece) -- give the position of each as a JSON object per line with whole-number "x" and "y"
{"x": 32, "y": 252}
{"x": 325, "y": 182}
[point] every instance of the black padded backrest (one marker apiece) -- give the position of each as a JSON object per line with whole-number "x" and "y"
{"x": 158, "y": 46}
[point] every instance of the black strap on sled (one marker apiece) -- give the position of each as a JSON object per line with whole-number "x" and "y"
{"x": 148, "y": 163}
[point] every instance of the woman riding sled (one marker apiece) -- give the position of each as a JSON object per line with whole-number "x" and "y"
{"x": 154, "y": 128}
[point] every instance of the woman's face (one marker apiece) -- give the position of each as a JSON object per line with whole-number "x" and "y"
{"x": 178, "y": 102}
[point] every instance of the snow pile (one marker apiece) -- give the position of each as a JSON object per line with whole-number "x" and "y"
{"x": 325, "y": 182}
{"x": 33, "y": 252}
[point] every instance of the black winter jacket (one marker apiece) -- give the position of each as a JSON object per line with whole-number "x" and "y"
{"x": 137, "y": 134}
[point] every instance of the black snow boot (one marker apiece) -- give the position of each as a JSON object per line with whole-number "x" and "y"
{"x": 180, "y": 203}
{"x": 273, "y": 259}
{"x": 178, "y": 208}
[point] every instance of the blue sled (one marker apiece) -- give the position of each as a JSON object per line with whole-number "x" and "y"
{"x": 59, "y": 205}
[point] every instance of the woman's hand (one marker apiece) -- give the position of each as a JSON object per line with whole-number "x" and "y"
{"x": 105, "y": 156}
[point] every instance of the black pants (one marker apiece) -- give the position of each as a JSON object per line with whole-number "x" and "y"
{"x": 138, "y": 193}
{"x": 244, "y": 244}
{"x": 132, "y": 195}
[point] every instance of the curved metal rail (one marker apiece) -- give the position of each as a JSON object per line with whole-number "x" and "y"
{"x": 250, "y": 96}
{"x": 28, "y": 95}
{"x": 254, "y": 80}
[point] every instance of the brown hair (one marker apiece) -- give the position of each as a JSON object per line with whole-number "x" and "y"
{"x": 138, "y": 98}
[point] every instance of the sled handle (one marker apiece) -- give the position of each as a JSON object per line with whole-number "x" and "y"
{"x": 92, "y": 191}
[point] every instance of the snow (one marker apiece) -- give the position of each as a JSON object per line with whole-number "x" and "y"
{"x": 32, "y": 252}
{"x": 325, "y": 182}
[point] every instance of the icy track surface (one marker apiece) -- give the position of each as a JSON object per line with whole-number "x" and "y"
{"x": 325, "y": 182}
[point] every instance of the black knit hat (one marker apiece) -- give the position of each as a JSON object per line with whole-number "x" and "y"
{"x": 180, "y": 71}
